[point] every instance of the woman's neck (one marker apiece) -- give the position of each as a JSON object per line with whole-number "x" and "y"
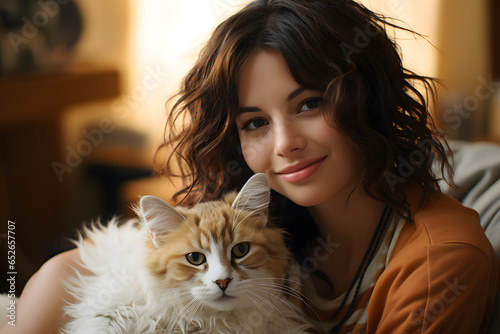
{"x": 348, "y": 221}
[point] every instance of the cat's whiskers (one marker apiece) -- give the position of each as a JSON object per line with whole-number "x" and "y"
{"x": 272, "y": 285}
{"x": 287, "y": 305}
{"x": 285, "y": 289}
{"x": 192, "y": 312}
{"x": 259, "y": 304}
{"x": 282, "y": 288}
{"x": 172, "y": 303}
{"x": 285, "y": 280}
{"x": 187, "y": 313}
{"x": 271, "y": 305}
{"x": 169, "y": 303}
{"x": 279, "y": 287}
{"x": 256, "y": 302}
{"x": 175, "y": 321}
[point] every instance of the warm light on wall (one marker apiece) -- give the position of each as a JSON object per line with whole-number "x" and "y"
{"x": 422, "y": 16}
{"x": 168, "y": 31}
{"x": 169, "y": 35}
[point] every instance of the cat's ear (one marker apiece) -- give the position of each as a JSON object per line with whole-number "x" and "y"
{"x": 255, "y": 195}
{"x": 159, "y": 217}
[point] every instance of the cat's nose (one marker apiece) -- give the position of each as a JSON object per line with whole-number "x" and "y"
{"x": 223, "y": 283}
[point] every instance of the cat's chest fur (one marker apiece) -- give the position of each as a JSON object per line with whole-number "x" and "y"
{"x": 215, "y": 268}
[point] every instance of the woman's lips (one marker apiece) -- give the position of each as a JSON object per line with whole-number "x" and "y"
{"x": 301, "y": 171}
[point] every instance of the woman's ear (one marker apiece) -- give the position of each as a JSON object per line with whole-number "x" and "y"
{"x": 255, "y": 195}
{"x": 159, "y": 217}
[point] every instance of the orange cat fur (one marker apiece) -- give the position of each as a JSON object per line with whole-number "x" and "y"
{"x": 215, "y": 268}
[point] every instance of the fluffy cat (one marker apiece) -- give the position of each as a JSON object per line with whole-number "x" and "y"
{"x": 215, "y": 268}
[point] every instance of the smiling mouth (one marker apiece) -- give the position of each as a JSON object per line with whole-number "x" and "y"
{"x": 301, "y": 171}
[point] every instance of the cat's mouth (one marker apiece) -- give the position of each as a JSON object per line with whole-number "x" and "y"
{"x": 225, "y": 298}
{"x": 224, "y": 303}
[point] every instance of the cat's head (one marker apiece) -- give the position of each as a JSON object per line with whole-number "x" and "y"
{"x": 225, "y": 253}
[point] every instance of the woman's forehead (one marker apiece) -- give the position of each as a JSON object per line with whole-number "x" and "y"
{"x": 265, "y": 75}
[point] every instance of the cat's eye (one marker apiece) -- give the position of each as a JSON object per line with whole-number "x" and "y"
{"x": 240, "y": 250}
{"x": 196, "y": 258}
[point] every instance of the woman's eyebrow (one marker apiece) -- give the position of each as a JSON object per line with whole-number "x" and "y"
{"x": 243, "y": 110}
{"x": 290, "y": 97}
{"x": 295, "y": 93}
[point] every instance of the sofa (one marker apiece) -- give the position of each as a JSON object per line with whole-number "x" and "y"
{"x": 477, "y": 173}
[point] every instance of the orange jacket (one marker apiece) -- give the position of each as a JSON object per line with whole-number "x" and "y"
{"x": 442, "y": 275}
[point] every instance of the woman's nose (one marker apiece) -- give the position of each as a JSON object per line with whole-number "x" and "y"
{"x": 288, "y": 140}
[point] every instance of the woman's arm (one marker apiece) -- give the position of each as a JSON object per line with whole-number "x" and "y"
{"x": 40, "y": 306}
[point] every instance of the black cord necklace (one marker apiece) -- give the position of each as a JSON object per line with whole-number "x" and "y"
{"x": 365, "y": 263}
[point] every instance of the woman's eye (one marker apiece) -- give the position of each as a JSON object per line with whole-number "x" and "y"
{"x": 196, "y": 258}
{"x": 310, "y": 105}
{"x": 254, "y": 124}
{"x": 240, "y": 250}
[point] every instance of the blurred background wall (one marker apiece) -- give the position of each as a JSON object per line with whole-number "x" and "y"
{"x": 461, "y": 50}
{"x": 82, "y": 114}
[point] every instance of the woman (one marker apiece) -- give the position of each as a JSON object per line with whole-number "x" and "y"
{"x": 314, "y": 94}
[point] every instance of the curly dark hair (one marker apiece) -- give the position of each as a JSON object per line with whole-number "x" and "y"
{"x": 336, "y": 46}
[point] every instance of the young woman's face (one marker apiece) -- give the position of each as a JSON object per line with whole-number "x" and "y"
{"x": 284, "y": 134}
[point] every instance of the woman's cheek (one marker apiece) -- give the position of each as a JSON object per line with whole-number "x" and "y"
{"x": 255, "y": 155}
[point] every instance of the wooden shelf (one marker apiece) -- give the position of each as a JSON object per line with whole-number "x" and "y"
{"x": 27, "y": 98}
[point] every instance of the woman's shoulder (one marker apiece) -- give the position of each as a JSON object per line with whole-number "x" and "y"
{"x": 444, "y": 221}
{"x": 444, "y": 239}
